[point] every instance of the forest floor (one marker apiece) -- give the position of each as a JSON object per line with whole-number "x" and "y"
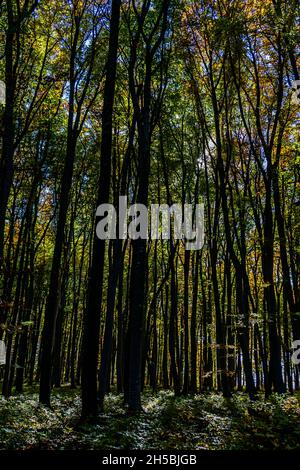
{"x": 206, "y": 421}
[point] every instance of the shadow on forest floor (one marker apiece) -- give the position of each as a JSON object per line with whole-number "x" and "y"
{"x": 206, "y": 421}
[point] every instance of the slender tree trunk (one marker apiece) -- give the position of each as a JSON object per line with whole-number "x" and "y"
{"x": 90, "y": 342}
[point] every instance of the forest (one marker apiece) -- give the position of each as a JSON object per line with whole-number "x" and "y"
{"x": 145, "y": 342}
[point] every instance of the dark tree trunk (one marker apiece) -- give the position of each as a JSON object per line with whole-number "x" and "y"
{"x": 90, "y": 342}
{"x": 54, "y": 295}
